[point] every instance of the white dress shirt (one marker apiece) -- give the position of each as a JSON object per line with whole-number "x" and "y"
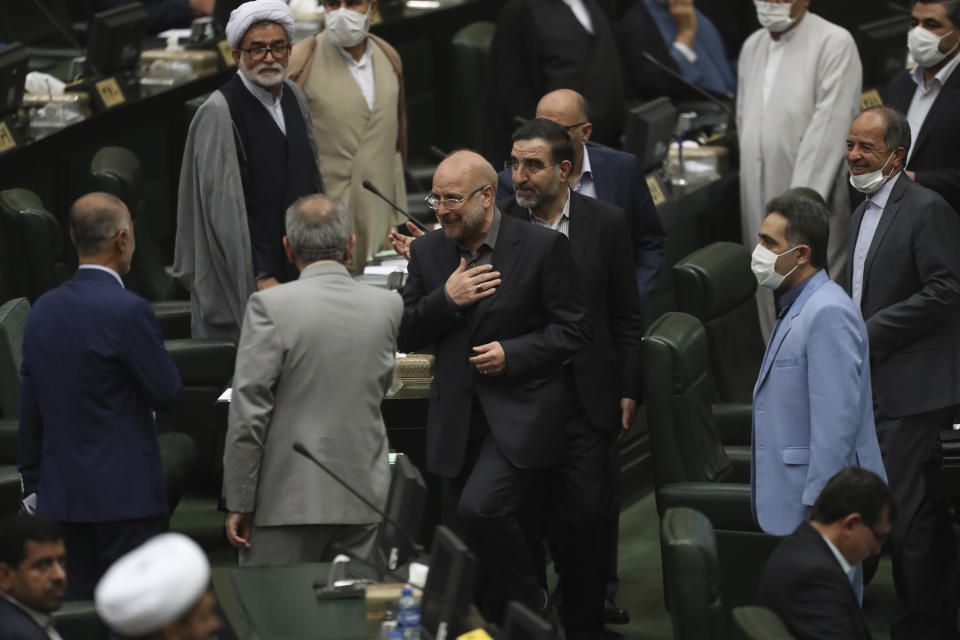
{"x": 868, "y": 227}
{"x": 925, "y": 96}
{"x": 272, "y": 106}
{"x": 362, "y": 72}
{"x": 582, "y": 14}
{"x": 839, "y": 556}
{"x": 100, "y": 267}
{"x": 561, "y": 225}
{"x": 585, "y": 184}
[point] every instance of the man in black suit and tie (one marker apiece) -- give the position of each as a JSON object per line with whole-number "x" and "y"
{"x": 929, "y": 95}
{"x": 805, "y": 581}
{"x": 500, "y": 302}
{"x": 32, "y": 576}
{"x": 904, "y": 273}
{"x": 605, "y": 384}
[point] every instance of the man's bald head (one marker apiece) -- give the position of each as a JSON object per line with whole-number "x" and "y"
{"x": 318, "y": 228}
{"x": 564, "y": 106}
{"x": 95, "y": 220}
{"x": 469, "y": 164}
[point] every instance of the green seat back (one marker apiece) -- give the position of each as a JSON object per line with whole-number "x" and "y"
{"x": 716, "y": 285}
{"x": 13, "y": 321}
{"x": 33, "y": 242}
{"x": 471, "y": 56}
{"x": 692, "y": 576}
{"x": 760, "y": 623}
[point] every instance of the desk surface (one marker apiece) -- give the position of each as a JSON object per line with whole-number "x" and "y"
{"x": 280, "y": 603}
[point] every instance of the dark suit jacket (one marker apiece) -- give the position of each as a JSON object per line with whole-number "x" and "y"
{"x": 609, "y": 367}
{"x": 539, "y": 46}
{"x": 805, "y": 585}
{"x": 94, "y": 370}
{"x": 934, "y": 158}
{"x": 539, "y": 318}
{"x": 17, "y": 625}
{"x": 911, "y": 300}
{"x": 620, "y": 181}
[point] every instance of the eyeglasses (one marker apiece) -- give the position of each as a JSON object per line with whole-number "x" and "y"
{"x": 451, "y": 204}
{"x": 278, "y": 49}
{"x": 532, "y": 167}
{"x": 574, "y": 126}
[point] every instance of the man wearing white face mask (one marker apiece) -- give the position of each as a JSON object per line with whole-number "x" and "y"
{"x": 812, "y": 405}
{"x": 904, "y": 271}
{"x": 929, "y": 94}
{"x": 798, "y": 91}
{"x": 354, "y": 83}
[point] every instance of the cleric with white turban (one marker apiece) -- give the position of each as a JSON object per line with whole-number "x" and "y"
{"x": 159, "y": 585}
{"x": 250, "y": 13}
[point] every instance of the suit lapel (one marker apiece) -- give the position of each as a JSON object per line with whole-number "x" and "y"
{"x": 504, "y": 257}
{"x": 943, "y": 107}
{"x": 602, "y": 176}
{"x": 580, "y": 228}
{"x": 886, "y": 219}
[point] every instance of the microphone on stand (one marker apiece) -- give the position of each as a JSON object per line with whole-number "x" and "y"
{"x": 676, "y": 76}
{"x": 372, "y": 189}
{"x": 302, "y": 450}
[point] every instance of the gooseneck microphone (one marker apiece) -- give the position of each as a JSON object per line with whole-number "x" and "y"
{"x": 706, "y": 94}
{"x": 302, "y": 450}
{"x": 372, "y": 189}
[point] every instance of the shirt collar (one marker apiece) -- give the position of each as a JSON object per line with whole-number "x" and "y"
{"x": 836, "y": 554}
{"x": 261, "y": 94}
{"x": 879, "y": 199}
{"x": 790, "y": 296}
{"x": 491, "y": 238}
{"x": 586, "y": 169}
{"x": 364, "y": 59}
{"x": 941, "y": 78}
{"x": 42, "y": 620}
{"x": 565, "y": 213}
{"x": 100, "y": 267}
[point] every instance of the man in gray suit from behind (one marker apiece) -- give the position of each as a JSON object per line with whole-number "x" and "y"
{"x": 315, "y": 359}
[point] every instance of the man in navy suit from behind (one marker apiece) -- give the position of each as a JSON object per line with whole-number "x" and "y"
{"x": 94, "y": 372}
{"x": 32, "y": 576}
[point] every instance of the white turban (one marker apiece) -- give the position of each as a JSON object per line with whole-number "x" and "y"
{"x": 250, "y": 13}
{"x": 153, "y": 585}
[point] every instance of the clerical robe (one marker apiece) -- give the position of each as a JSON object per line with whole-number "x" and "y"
{"x": 357, "y": 143}
{"x": 798, "y": 138}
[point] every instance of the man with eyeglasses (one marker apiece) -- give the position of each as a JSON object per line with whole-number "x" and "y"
{"x": 604, "y": 379}
{"x": 354, "y": 84}
{"x": 250, "y": 153}
{"x": 805, "y": 580}
{"x": 501, "y": 303}
{"x": 609, "y": 175}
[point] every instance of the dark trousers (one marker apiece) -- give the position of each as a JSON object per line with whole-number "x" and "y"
{"x": 614, "y": 491}
{"x": 93, "y": 546}
{"x": 921, "y": 540}
{"x": 492, "y": 490}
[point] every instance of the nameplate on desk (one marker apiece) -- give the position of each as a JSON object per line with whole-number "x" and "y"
{"x": 226, "y": 52}
{"x": 870, "y": 99}
{"x": 110, "y": 92}
{"x": 7, "y": 140}
{"x": 655, "y": 191}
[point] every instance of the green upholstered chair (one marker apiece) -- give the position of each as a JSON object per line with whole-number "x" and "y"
{"x": 759, "y": 623}
{"x": 33, "y": 243}
{"x": 716, "y": 285}
{"x": 9, "y": 490}
{"x": 471, "y": 55}
{"x": 691, "y": 466}
{"x": 13, "y": 320}
{"x": 117, "y": 171}
{"x": 79, "y": 620}
{"x": 691, "y": 576}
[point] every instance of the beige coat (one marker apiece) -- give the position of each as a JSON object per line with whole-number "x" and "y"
{"x": 355, "y": 143}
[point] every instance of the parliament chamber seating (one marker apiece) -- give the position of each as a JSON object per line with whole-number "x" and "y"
{"x": 13, "y": 319}
{"x": 117, "y": 171}
{"x": 760, "y": 623}
{"x": 33, "y": 244}
{"x": 716, "y": 285}
{"x": 691, "y": 466}
{"x": 471, "y": 55}
{"x": 79, "y": 620}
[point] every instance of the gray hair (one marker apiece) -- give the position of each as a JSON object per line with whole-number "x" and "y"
{"x": 94, "y": 219}
{"x": 896, "y": 130}
{"x": 952, "y": 7}
{"x": 318, "y": 228}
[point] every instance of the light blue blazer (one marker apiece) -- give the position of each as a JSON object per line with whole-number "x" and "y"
{"x": 812, "y": 406}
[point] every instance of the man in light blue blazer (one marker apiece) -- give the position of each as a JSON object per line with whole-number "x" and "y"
{"x": 812, "y": 404}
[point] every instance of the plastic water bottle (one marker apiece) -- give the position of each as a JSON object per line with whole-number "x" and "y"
{"x": 408, "y": 615}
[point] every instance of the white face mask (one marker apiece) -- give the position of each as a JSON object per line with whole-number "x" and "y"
{"x": 763, "y": 263}
{"x": 870, "y": 183}
{"x": 774, "y": 17}
{"x": 924, "y": 46}
{"x": 346, "y": 27}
